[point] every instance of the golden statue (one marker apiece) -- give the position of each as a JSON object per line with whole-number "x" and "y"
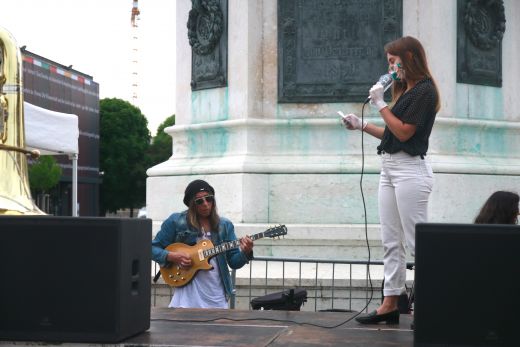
{"x": 15, "y": 195}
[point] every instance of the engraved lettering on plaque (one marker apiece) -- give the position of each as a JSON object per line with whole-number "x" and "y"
{"x": 331, "y": 50}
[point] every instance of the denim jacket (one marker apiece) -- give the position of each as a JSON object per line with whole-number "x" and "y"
{"x": 175, "y": 229}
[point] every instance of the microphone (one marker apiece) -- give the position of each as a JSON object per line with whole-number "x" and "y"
{"x": 386, "y": 81}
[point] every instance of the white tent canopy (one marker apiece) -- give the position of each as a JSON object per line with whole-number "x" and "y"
{"x": 54, "y": 133}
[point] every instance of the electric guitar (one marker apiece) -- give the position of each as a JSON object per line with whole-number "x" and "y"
{"x": 200, "y": 253}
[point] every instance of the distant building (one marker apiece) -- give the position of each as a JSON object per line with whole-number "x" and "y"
{"x": 59, "y": 88}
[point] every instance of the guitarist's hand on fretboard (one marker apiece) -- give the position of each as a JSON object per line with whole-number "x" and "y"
{"x": 179, "y": 258}
{"x": 246, "y": 245}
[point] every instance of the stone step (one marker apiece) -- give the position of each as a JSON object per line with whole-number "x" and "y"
{"x": 311, "y": 248}
{"x": 334, "y": 241}
{"x": 315, "y": 231}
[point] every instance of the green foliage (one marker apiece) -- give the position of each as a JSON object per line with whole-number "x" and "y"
{"x": 44, "y": 174}
{"x": 161, "y": 148}
{"x": 124, "y": 142}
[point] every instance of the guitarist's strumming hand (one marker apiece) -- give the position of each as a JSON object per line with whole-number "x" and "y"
{"x": 179, "y": 258}
{"x": 246, "y": 245}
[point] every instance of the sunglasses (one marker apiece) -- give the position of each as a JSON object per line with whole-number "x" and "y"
{"x": 207, "y": 198}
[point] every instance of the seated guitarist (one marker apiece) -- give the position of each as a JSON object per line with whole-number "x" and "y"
{"x": 209, "y": 288}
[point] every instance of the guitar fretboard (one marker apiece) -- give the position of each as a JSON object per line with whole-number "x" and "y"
{"x": 228, "y": 245}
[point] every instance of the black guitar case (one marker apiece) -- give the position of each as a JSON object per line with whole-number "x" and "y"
{"x": 288, "y": 300}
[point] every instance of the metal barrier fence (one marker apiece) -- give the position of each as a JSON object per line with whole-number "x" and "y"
{"x": 340, "y": 284}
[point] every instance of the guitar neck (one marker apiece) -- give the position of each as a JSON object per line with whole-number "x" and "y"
{"x": 226, "y": 246}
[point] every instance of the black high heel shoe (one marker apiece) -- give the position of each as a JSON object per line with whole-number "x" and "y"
{"x": 391, "y": 317}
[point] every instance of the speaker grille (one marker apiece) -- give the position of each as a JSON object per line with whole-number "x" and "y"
{"x": 67, "y": 276}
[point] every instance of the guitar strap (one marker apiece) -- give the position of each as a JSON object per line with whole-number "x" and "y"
{"x": 215, "y": 237}
{"x": 156, "y": 277}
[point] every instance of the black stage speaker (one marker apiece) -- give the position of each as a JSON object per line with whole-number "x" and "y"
{"x": 467, "y": 285}
{"x": 74, "y": 279}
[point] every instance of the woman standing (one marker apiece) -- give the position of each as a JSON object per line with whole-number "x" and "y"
{"x": 406, "y": 177}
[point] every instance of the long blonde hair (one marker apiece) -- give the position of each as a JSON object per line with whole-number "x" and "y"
{"x": 193, "y": 219}
{"x": 415, "y": 65}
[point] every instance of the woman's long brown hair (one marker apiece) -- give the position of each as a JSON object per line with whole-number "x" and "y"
{"x": 500, "y": 208}
{"x": 414, "y": 62}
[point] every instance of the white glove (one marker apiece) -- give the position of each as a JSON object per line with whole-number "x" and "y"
{"x": 352, "y": 121}
{"x": 376, "y": 96}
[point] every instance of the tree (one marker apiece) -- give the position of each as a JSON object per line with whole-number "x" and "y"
{"x": 124, "y": 140}
{"x": 161, "y": 148}
{"x": 44, "y": 174}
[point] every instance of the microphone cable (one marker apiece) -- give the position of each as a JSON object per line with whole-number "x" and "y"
{"x": 364, "y": 205}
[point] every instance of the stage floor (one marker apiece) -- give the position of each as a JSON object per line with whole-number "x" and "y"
{"x": 203, "y": 327}
{"x": 200, "y": 327}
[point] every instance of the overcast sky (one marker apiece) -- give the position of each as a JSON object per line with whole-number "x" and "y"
{"x": 95, "y": 37}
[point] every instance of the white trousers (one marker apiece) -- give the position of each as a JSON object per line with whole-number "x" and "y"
{"x": 404, "y": 187}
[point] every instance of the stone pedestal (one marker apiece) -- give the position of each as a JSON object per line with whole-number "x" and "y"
{"x": 295, "y": 164}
